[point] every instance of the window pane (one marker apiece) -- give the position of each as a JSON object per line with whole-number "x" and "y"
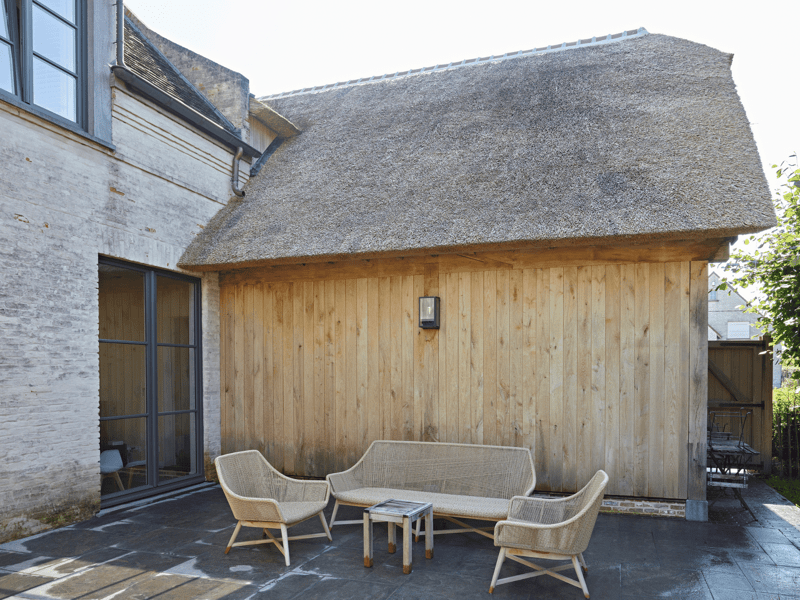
{"x": 175, "y": 311}
{"x": 176, "y": 376}
{"x": 65, "y": 8}
{"x": 738, "y": 330}
{"x": 123, "y": 380}
{"x": 53, "y": 39}
{"x": 3, "y": 20}
{"x": 121, "y": 300}
{"x": 54, "y": 90}
{"x": 177, "y": 446}
{"x": 6, "y": 68}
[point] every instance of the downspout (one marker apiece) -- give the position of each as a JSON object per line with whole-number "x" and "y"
{"x": 235, "y": 178}
{"x": 121, "y": 34}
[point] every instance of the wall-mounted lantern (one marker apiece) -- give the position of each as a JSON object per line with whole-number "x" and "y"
{"x": 429, "y": 312}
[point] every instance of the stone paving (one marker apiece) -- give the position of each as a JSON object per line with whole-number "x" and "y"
{"x": 173, "y": 549}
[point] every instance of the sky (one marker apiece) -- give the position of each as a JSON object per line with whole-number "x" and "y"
{"x": 283, "y": 46}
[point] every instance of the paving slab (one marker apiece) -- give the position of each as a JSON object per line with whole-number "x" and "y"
{"x": 173, "y": 549}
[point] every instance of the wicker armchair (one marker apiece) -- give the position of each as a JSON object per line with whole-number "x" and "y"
{"x": 554, "y": 529}
{"x": 262, "y": 497}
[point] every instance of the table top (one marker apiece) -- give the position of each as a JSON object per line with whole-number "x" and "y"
{"x": 730, "y": 446}
{"x": 404, "y": 508}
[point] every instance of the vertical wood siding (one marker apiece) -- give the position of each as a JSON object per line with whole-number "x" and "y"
{"x": 587, "y": 366}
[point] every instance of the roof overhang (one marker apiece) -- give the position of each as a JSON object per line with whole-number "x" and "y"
{"x": 545, "y": 253}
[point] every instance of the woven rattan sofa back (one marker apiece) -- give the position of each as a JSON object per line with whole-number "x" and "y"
{"x": 460, "y": 469}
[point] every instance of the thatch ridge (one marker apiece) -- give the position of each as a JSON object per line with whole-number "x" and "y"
{"x": 639, "y": 140}
{"x": 467, "y": 62}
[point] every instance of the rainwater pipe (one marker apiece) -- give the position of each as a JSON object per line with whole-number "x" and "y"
{"x": 121, "y": 34}
{"x": 235, "y": 178}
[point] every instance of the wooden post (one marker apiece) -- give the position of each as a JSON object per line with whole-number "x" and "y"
{"x": 766, "y": 397}
{"x": 796, "y": 445}
{"x": 696, "y": 503}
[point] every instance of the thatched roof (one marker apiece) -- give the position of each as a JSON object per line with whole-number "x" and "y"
{"x": 640, "y": 139}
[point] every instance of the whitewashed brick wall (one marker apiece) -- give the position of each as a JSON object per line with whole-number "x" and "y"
{"x": 64, "y": 201}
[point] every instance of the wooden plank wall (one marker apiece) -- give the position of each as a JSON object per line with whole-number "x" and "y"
{"x": 586, "y": 365}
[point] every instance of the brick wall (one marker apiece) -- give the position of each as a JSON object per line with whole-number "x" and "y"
{"x": 65, "y": 200}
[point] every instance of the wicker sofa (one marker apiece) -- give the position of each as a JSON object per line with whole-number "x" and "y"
{"x": 462, "y": 481}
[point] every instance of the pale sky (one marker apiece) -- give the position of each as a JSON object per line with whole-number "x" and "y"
{"x": 283, "y": 46}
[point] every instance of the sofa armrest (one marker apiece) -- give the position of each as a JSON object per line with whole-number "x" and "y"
{"x": 344, "y": 481}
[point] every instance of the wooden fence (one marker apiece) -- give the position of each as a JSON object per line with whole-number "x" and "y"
{"x": 740, "y": 380}
{"x": 786, "y": 443}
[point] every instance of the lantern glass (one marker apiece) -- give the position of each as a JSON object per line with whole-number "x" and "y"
{"x": 429, "y": 312}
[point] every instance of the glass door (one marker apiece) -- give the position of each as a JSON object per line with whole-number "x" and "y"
{"x": 150, "y": 422}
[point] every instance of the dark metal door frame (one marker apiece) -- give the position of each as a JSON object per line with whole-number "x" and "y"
{"x": 152, "y": 415}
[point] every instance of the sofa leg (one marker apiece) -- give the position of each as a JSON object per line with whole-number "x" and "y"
{"x": 325, "y": 526}
{"x": 333, "y": 516}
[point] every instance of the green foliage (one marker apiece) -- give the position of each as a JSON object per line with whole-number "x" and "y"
{"x": 788, "y": 488}
{"x": 771, "y": 261}
{"x": 785, "y": 399}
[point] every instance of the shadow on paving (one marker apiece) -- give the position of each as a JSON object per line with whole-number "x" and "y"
{"x": 174, "y": 549}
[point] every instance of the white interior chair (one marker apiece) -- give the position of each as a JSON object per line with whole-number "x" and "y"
{"x": 110, "y": 464}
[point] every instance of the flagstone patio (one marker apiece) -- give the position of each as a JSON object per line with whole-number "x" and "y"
{"x": 173, "y": 549}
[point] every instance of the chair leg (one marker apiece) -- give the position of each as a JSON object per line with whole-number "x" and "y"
{"x": 233, "y": 537}
{"x": 500, "y": 560}
{"x": 416, "y": 533}
{"x": 119, "y": 481}
{"x": 583, "y": 563}
{"x": 285, "y": 536}
{"x": 579, "y": 572}
{"x": 325, "y": 526}
{"x": 335, "y": 510}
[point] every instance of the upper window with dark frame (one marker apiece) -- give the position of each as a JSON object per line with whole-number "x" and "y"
{"x": 41, "y": 45}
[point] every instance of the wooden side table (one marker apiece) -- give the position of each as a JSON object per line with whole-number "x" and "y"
{"x": 401, "y": 512}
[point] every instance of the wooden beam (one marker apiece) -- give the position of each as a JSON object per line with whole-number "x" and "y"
{"x": 541, "y": 257}
{"x": 727, "y": 383}
{"x": 698, "y": 383}
{"x": 722, "y": 254}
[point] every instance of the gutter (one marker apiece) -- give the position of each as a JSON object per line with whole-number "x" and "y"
{"x": 199, "y": 121}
